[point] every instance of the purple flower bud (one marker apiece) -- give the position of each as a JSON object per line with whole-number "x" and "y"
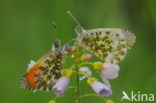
{"x": 101, "y": 89}
{"x": 110, "y": 71}
{"x": 86, "y": 57}
{"x": 66, "y": 47}
{"x": 61, "y": 85}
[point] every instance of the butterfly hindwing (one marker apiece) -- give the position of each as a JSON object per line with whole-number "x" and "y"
{"x": 110, "y": 45}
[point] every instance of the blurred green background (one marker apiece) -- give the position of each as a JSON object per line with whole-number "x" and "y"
{"x": 26, "y": 33}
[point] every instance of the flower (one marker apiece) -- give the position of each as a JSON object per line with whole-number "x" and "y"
{"x": 100, "y": 88}
{"x": 86, "y": 71}
{"x": 109, "y": 101}
{"x": 52, "y": 101}
{"x": 62, "y": 83}
{"x": 98, "y": 66}
{"x": 86, "y": 57}
{"x": 109, "y": 71}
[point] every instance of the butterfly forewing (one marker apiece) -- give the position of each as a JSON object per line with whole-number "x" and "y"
{"x": 107, "y": 44}
{"x": 44, "y": 73}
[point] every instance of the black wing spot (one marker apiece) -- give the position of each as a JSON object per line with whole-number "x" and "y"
{"x": 107, "y": 32}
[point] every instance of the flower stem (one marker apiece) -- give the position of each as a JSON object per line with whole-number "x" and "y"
{"x": 78, "y": 84}
{"x": 86, "y": 63}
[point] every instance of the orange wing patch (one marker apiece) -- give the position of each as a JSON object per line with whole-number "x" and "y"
{"x": 29, "y": 79}
{"x": 31, "y": 75}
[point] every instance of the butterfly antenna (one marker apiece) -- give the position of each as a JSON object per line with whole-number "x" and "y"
{"x": 54, "y": 30}
{"x": 70, "y": 14}
{"x": 54, "y": 39}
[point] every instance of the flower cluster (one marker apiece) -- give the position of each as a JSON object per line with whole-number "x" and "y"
{"x": 106, "y": 71}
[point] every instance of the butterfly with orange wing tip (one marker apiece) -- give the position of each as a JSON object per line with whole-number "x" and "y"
{"x": 42, "y": 75}
{"x": 108, "y": 44}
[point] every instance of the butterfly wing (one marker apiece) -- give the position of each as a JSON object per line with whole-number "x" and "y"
{"x": 43, "y": 74}
{"x": 110, "y": 45}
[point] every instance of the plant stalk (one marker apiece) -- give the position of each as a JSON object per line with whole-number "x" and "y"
{"x": 78, "y": 84}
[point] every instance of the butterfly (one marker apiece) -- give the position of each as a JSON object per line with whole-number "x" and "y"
{"x": 42, "y": 75}
{"x": 108, "y": 44}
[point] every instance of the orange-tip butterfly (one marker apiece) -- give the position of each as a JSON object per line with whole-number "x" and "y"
{"x": 108, "y": 44}
{"x": 42, "y": 75}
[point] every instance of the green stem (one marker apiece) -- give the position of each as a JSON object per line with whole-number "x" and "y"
{"x": 78, "y": 84}
{"x": 86, "y": 95}
{"x": 86, "y": 63}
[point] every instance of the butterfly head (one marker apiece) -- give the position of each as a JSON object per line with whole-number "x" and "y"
{"x": 57, "y": 46}
{"x": 79, "y": 30}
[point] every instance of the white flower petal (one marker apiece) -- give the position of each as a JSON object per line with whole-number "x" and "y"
{"x": 110, "y": 71}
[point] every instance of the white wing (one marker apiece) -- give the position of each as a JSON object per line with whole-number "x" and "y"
{"x": 130, "y": 37}
{"x": 107, "y": 44}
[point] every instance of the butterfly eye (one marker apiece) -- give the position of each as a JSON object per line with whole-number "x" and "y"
{"x": 79, "y": 30}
